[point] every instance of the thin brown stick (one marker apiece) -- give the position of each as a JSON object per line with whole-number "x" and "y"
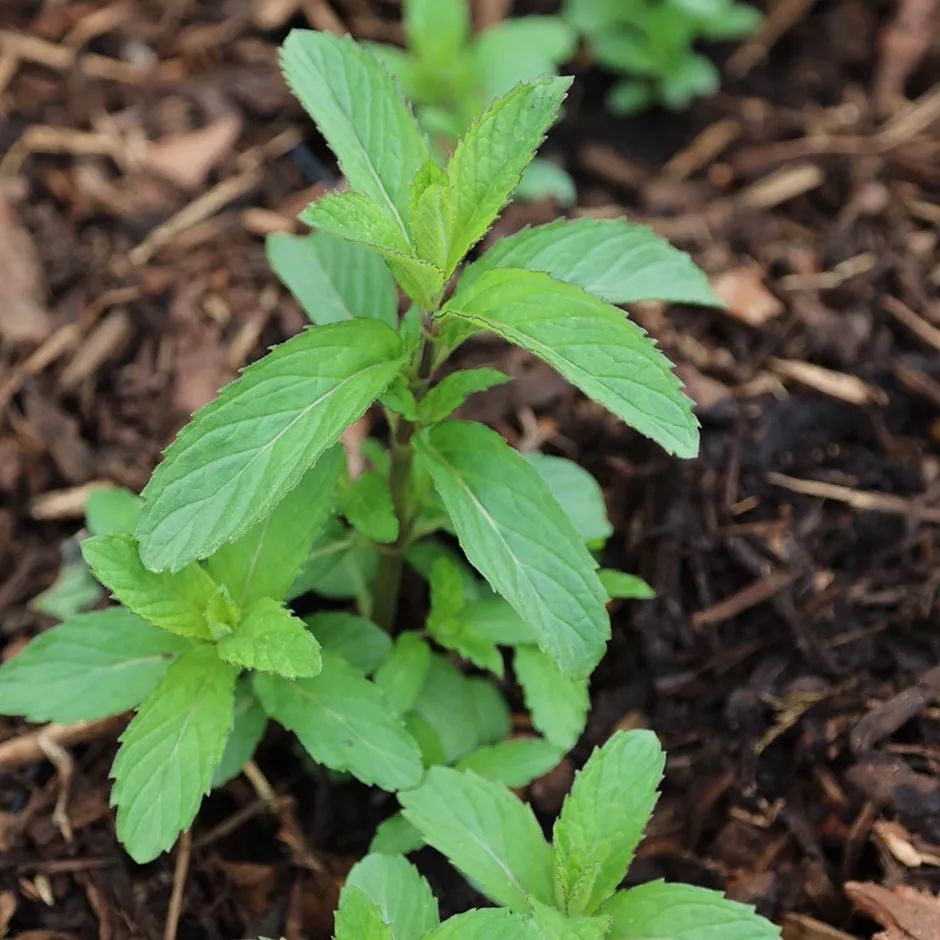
{"x": 924, "y": 331}
{"x": 184, "y": 852}
{"x": 25, "y": 749}
{"x": 60, "y": 758}
{"x": 282, "y": 807}
{"x": 865, "y": 500}
{"x": 750, "y": 596}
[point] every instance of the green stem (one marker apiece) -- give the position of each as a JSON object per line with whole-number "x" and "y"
{"x": 391, "y": 561}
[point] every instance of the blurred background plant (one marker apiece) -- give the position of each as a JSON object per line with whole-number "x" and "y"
{"x": 652, "y": 44}
{"x": 452, "y": 74}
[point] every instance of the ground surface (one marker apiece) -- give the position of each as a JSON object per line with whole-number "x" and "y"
{"x": 790, "y": 664}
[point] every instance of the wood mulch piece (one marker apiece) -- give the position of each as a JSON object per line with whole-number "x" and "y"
{"x": 790, "y": 662}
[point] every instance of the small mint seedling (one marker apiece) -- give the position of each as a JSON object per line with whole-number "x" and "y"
{"x": 253, "y": 506}
{"x": 451, "y": 75}
{"x": 653, "y": 42}
{"x": 566, "y": 890}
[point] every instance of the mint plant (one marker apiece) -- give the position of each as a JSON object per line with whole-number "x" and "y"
{"x": 568, "y": 889}
{"x": 451, "y": 75}
{"x": 253, "y": 505}
{"x": 653, "y": 43}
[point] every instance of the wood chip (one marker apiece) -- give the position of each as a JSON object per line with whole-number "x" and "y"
{"x": 215, "y": 199}
{"x": 43, "y": 138}
{"x": 200, "y": 209}
{"x": 746, "y": 297}
{"x": 320, "y": 15}
{"x": 704, "y": 148}
{"x": 65, "y": 504}
{"x": 864, "y": 500}
{"x": 894, "y": 838}
{"x": 272, "y": 14}
{"x": 25, "y": 749}
{"x": 490, "y": 12}
{"x": 783, "y": 16}
{"x": 7, "y": 910}
{"x": 750, "y": 596}
{"x": 804, "y": 927}
{"x": 904, "y": 42}
{"x": 187, "y": 159}
{"x": 104, "y": 342}
{"x": 906, "y": 913}
{"x": 782, "y": 186}
{"x": 847, "y": 388}
{"x": 924, "y": 331}
{"x": 23, "y": 316}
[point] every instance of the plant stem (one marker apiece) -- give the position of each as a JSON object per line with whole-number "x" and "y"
{"x": 387, "y": 586}
{"x": 391, "y": 562}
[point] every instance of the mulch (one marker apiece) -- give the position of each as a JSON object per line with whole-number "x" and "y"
{"x": 790, "y": 662}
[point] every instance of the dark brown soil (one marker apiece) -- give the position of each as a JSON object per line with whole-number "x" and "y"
{"x": 790, "y": 662}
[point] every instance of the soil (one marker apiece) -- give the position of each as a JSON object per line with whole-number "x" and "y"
{"x": 790, "y": 662}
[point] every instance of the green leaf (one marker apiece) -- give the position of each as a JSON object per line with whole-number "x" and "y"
{"x": 270, "y": 638}
{"x": 401, "y": 894}
{"x": 169, "y": 752}
{"x": 344, "y": 722}
{"x": 73, "y": 590}
{"x": 447, "y": 596}
{"x": 423, "y": 554}
{"x": 486, "y": 924}
{"x": 578, "y": 493}
{"x": 591, "y": 344}
{"x": 245, "y": 451}
{"x": 603, "y": 819}
{"x": 447, "y": 705}
{"x": 553, "y": 925}
{"x": 358, "y": 109}
{"x": 683, "y": 912}
{"x": 522, "y": 49}
{"x": 429, "y": 213}
{"x": 404, "y": 671}
{"x": 558, "y": 705}
{"x": 356, "y": 217}
{"x": 250, "y": 721}
{"x": 621, "y": 585}
{"x": 613, "y": 259}
{"x": 489, "y": 159}
{"x": 445, "y": 622}
{"x": 91, "y": 666}
{"x": 341, "y": 565}
{"x": 399, "y": 398}
{"x": 454, "y": 389}
{"x": 544, "y": 179}
{"x": 396, "y": 836}
{"x": 437, "y": 30}
{"x": 491, "y": 715}
{"x": 333, "y": 279}
{"x": 429, "y": 741}
{"x": 630, "y": 96}
{"x": 519, "y": 539}
{"x": 112, "y": 510}
{"x": 515, "y": 763}
{"x": 266, "y": 560}
{"x": 492, "y": 618}
{"x": 177, "y": 601}
{"x": 734, "y": 21}
{"x": 367, "y": 503}
{"x": 360, "y": 642}
{"x": 359, "y": 919}
{"x": 486, "y": 832}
